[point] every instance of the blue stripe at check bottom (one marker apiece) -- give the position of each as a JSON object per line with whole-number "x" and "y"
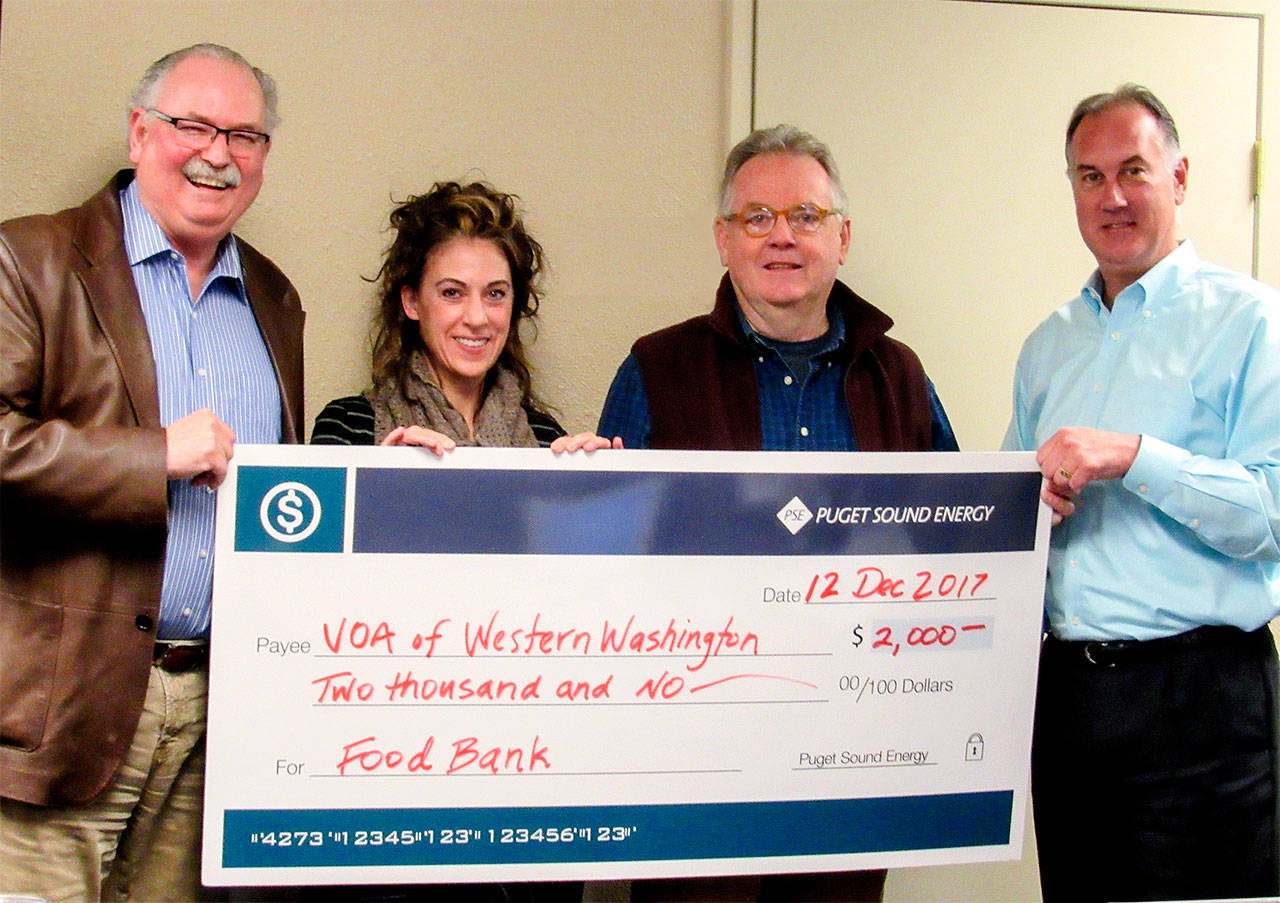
{"x": 281, "y": 838}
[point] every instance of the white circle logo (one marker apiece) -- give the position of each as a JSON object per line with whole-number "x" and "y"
{"x": 282, "y": 512}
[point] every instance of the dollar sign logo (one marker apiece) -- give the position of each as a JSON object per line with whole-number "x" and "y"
{"x": 290, "y": 517}
{"x": 857, "y": 636}
{"x": 290, "y": 512}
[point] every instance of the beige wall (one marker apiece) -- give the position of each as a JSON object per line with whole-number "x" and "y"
{"x": 607, "y": 118}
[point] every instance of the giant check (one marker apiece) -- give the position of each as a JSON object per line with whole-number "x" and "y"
{"x": 508, "y": 665}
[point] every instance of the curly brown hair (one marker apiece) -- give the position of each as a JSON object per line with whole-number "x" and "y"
{"x": 422, "y": 223}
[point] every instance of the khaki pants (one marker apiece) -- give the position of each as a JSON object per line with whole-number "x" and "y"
{"x": 140, "y": 838}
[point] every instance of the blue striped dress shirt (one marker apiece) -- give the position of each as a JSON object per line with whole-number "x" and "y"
{"x": 208, "y": 354}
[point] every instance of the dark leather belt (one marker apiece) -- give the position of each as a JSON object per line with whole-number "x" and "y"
{"x": 1120, "y": 653}
{"x": 179, "y": 657}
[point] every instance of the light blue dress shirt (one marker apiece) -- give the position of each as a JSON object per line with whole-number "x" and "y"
{"x": 1189, "y": 358}
{"x": 208, "y": 354}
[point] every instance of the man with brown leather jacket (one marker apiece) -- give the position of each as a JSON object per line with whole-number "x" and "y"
{"x": 141, "y": 341}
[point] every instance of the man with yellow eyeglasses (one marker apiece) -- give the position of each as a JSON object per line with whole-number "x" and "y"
{"x": 788, "y": 359}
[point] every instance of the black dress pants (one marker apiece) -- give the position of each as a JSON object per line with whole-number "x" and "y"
{"x": 1154, "y": 768}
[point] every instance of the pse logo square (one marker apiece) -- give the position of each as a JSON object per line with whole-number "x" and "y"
{"x": 290, "y": 509}
{"x": 794, "y": 515}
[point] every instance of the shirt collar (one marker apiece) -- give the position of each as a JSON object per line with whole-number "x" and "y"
{"x": 1155, "y": 283}
{"x": 144, "y": 239}
{"x": 834, "y": 334}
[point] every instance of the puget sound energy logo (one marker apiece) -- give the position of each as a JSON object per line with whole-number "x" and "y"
{"x": 795, "y": 514}
{"x": 290, "y": 509}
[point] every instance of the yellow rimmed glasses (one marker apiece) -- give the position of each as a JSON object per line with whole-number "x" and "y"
{"x": 758, "y": 221}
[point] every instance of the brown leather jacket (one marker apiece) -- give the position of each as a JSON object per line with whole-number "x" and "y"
{"x": 83, "y": 491}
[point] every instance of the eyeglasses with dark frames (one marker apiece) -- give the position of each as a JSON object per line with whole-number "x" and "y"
{"x": 198, "y": 135}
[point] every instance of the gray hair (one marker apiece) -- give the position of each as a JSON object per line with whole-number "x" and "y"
{"x": 148, "y": 89}
{"x": 780, "y": 139}
{"x": 1135, "y": 94}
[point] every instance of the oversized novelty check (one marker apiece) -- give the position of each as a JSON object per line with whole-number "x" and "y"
{"x": 511, "y": 665}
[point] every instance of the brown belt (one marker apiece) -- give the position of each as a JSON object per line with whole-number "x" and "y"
{"x": 179, "y": 657}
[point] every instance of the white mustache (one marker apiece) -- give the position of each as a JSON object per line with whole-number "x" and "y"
{"x": 198, "y": 170}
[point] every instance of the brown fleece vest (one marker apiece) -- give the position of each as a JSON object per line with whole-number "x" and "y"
{"x": 701, "y": 383}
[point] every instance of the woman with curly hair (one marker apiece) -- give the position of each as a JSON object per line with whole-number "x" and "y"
{"x": 449, "y": 363}
{"x": 449, "y": 369}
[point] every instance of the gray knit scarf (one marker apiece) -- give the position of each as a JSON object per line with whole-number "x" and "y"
{"x": 501, "y": 421}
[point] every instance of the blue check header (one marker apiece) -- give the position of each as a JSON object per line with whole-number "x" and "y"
{"x": 550, "y": 512}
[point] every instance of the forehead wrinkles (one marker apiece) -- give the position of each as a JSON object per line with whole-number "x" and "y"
{"x": 1104, "y": 166}
{"x": 781, "y": 181}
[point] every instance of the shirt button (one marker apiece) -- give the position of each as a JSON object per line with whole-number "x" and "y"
{"x": 804, "y": 431}
{"x": 1115, "y": 335}
{"x": 204, "y": 553}
{"x": 760, "y": 359}
{"x": 1075, "y": 621}
{"x": 1195, "y": 522}
{"x": 1097, "y": 388}
{"x": 1075, "y": 562}
{"x": 202, "y": 372}
{"x": 209, "y": 490}
{"x": 787, "y": 380}
{"x": 1142, "y": 488}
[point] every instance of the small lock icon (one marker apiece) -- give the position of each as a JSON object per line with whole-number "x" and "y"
{"x": 973, "y": 748}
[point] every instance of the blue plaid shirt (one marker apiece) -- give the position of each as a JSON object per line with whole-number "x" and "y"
{"x": 798, "y": 412}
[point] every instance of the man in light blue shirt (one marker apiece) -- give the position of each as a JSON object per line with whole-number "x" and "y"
{"x": 1153, "y": 401}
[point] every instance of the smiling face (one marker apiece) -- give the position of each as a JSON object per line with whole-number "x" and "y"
{"x": 782, "y": 280}
{"x": 187, "y": 191}
{"x": 463, "y": 307}
{"x": 1126, "y": 193}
